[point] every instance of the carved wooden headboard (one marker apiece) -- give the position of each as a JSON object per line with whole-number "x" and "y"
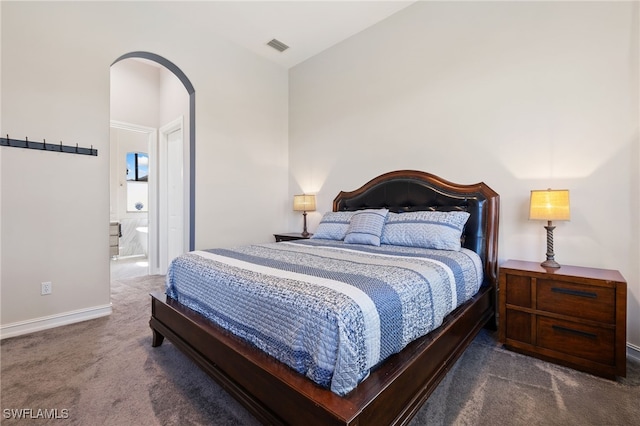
{"x": 410, "y": 190}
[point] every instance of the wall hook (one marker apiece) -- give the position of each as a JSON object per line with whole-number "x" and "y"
{"x": 42, "y": 146}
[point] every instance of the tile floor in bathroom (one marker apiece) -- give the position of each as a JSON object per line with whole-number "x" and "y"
{"x": 129, "y": 267}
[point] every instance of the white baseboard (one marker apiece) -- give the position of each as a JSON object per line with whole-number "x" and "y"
{"x": 633, "y": 351}
{"x": 25, "y": 327}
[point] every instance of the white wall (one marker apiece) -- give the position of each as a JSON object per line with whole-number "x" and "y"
{"x": 174, "y": 100}
{"x": 135, "y": 92}
{"x": 55, "y": 207}
{"x": 520, "y": 95}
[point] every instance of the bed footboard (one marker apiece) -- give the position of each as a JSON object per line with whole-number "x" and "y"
{"x": 275, "y": 394}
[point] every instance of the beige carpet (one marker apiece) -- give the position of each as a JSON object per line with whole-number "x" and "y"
{"x": 105, "y": 371}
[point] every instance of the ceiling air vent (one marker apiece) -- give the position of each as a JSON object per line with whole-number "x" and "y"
{"x": 278, "y": 45}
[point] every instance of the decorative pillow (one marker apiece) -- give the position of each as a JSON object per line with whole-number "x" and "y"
{"x": 366, "y": 227}
{"x": 426, "y": 229}
{"x": 333, "y": 226}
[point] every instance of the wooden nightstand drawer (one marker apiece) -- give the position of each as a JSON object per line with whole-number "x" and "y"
{"x": 518, "y": 326}
{"x": 577, "y": 300}
{"x": 518, "y": 291}
{"x": 584, "y": 341}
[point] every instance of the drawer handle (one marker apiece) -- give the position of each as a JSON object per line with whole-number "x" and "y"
{"x": 577, "y": 332}
{"x": 570, "y": 292}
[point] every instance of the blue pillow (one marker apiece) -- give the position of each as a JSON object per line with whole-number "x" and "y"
{"x": 366, "y": 227}
{"x": 333, "y": 226}
{"x": 426, "y": 229}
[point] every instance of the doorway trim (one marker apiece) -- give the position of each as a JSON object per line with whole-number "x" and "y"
{"x": 192, "y": 129}
{"x": 152, "y": 216}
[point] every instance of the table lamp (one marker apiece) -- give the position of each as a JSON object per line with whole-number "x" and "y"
{"x": 549, "y": 205}
{"x": 304, "y": 203}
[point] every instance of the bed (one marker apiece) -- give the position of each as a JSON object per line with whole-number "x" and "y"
{"x": 390, "y": 391}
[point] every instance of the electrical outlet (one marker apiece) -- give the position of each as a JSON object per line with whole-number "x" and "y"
{"x": 46, "y": 288}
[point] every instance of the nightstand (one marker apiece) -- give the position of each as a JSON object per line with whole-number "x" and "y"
{"x": 290, "y": 237}
{"x": 572, "y": 315}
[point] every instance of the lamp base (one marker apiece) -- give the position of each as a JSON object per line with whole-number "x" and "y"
{"x": 550, "y": 263}
{"x": 304, "y": 229}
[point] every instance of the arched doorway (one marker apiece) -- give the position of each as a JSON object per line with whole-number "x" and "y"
{"x": 189, "y": 160}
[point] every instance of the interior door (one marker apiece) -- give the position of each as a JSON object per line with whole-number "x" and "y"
{"x": 171, "y": 193}
{"x": 175, "y": 195}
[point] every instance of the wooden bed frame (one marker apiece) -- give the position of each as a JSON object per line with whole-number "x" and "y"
{"x": 395, "y": 390}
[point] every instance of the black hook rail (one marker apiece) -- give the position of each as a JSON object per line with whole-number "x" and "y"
{"x": 44, "y": 146}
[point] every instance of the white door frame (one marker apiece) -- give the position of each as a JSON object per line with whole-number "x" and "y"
{"x": 152, "y": 135}
{"x": 164, "y": 132}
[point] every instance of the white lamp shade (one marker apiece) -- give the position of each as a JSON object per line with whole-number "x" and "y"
{"x": 549, "y": 204}
{"x": 304, "y": 203}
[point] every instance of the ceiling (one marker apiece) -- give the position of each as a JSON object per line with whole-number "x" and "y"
{"x": 307, "y": 27}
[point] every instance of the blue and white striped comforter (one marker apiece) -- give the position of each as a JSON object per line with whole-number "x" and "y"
{"x": 329, "y": 310}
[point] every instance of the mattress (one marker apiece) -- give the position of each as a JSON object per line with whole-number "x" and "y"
{"x": 331, "y": 311}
